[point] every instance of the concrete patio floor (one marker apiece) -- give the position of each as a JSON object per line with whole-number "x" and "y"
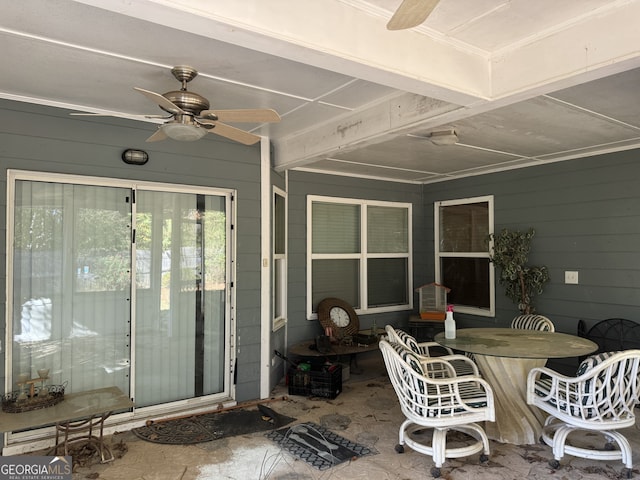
{"x": 366, "y": 412}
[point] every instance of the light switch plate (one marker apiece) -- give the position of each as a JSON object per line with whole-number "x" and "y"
{"x": 571, "y": 277}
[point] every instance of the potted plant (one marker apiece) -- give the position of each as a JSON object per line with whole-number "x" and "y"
{"x": 510, "y": 253}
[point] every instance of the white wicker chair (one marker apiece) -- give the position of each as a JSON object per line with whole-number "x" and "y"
{"x": 533, "y": 322}
{"x": 600, "y": 398}
{"x": 462, "y": 364}
{"x": 454, "y": 403}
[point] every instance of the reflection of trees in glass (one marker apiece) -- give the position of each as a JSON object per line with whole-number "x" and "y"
{"x": 103, "y": 246}
{"x": 102, "y": 242}
{"x": 35, "y": 227}
{"x": 215, "y": 249}
{"x": 213, "y": 245}
{"x": 464, "y": 228}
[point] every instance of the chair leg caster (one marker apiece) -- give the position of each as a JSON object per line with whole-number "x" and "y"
{"x": 484, "y": 458}
{"x": 555, "y": 464}
{"x": 400, "y": 448}
{"x": 435, "y": 472}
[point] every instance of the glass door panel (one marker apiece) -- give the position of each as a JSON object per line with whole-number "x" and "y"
{"x": 71, "y": 284}
{"x": 180, "y": 296}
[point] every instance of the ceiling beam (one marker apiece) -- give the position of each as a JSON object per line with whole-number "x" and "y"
{"x": 395, "y": 116}
{"x": 327, "y": 34}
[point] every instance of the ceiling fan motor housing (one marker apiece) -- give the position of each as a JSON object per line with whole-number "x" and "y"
{"x": 188, "y": 101}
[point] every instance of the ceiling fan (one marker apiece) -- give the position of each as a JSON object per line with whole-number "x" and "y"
{"x": 411, "y": 13}
{"x": 190, "y": 118}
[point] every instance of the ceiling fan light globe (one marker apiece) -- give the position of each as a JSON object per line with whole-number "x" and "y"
{"x": 183, "y": 133}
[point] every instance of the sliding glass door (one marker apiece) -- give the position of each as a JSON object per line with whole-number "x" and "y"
{"x": 158, "y": 326}
{"x": 180, "y": 296}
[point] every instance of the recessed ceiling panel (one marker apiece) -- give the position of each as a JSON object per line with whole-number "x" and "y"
{"x": 538, "y": 127}
{"x": 616, "y": 96}
{"x": 358, "y": 93}
{"x": 518, "y": 20}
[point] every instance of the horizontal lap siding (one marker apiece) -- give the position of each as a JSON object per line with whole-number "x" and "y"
{"x": 586, "y": 213}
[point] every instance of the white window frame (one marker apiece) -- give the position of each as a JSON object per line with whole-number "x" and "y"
{"x": 362, "y": 256}
{"x": 279, "y": 261}
{"x": 490, "y": 312}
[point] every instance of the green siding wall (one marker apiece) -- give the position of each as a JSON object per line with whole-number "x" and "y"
{"x": 586, "y": 213}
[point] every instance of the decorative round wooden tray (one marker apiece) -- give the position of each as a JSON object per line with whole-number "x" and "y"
{"x": 11, "y": 404}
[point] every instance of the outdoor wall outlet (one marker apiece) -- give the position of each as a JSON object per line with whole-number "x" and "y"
{"x": 571, "y": 278}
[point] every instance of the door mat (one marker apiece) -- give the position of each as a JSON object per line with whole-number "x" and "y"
{"x": 317, "y": 446}
{"x": 212, "y": 426}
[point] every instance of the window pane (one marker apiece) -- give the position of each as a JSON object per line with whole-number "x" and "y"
{"x": 464, "y": 228}
{"x": 468, "y": 279}
{"x": 336, "y": 228}
{"x": 387, "y": 230}
{"x": 278, "y": 224}
{"x": 336, "y": 278}
{"x": 387, "y": 281}
{"x": 278, "y": 287}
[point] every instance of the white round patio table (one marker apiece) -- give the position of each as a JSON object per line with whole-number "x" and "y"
{"x": 504, "y": 357}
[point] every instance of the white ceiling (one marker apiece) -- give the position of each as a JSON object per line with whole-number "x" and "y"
{"x": 522, "y": 82}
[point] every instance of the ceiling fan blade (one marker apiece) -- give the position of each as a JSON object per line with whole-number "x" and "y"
{"x": 160, "y": 100}
{"x": 77, "y": 114}
{"x": 233, "y": 133}
{"x": 411, "y": 13}
{"x": 157, "y": 136}
{"x": 243, "y": 115}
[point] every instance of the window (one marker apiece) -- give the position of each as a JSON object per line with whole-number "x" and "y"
{"x": 359, "y": 251}
{"x": 279, "y": 280}
{"x": 462, "y": 228}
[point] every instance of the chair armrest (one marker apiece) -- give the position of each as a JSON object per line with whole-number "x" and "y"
{"x": 426, "y": 346}
{"x": 553, "y": 382}
{"x": 473, "y": 392}
{"x": 455, "y": 365}
{"x": 464, "y": 365}
{"x": 537, "y": 372}
{"x": 560, "y": 395}
{"x": 437, "y": 367}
